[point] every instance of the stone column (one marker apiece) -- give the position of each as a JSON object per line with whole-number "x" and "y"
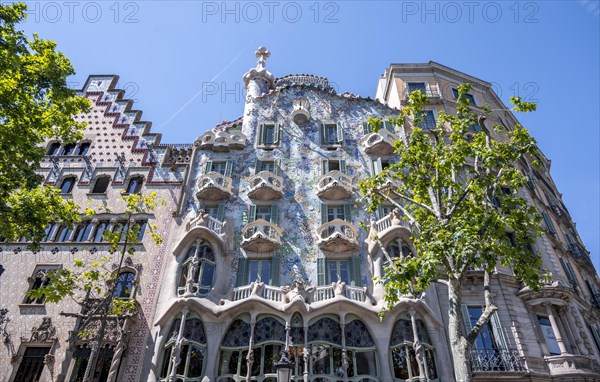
{"x": 250, "y": 356}
{"x": 176, "y": 359}
{"x": 191, "y": 271}
{"x": 419, "y": 353}
{"x": 306, "y": 352}
{"x": 559, "y": 340}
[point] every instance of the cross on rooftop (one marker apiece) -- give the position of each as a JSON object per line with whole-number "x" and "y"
{"x": 262, "y": 53}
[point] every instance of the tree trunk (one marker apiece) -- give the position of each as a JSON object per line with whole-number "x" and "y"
{"x": 459, "y": 347}
{"x": 91, "y": 365}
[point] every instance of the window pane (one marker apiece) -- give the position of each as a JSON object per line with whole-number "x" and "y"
{"x": 196, "y": 362}
{"x": 83, "y": 148}
{"x": 166, "y": 361}
{"x": 68, "y": 149}
{"x": 399, "y": 360}
{"x": 208, "y": 271}
{"x": 263, "y": 212}
{"x": 184, "y": 354}
{"x": 101, "y": 185}
{"x": 549, "y": 336}
{"x": 67, "y": 185}
{"x": 218, "y": 167}
{"x": 413, "y": 86}
{"x": 269, "y": 134}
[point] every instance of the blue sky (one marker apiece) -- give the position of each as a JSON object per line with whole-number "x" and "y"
{"x": 183, "y": 61}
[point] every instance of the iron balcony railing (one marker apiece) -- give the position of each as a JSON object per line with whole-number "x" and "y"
{"x": 496, "y": 360}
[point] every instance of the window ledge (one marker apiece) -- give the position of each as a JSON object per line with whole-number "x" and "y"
{"x": 32, "y": 305}
{"x": 96, "y": 194}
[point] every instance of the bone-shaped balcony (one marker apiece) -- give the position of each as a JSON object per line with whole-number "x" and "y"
{"x": 335, "y": 185}
{"x": 261, "y": 236}
{"x": 379, "y": 143}
{"x": 337, "y": 236}
{"x": 214, "y": 186}
{"x": 266, "y": 186}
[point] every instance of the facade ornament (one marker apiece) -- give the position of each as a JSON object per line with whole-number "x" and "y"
{"x": 46, "y": 332}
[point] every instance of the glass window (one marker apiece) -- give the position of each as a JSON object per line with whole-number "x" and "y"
{"x": 335, "y": 212}
{"x": 64, "y": 234}
{"x": 263, "y": 212}
{"x": 99, "y": 235}
{"x": 428, "y": 121}
{"x": 259, "y": 270}
{"x": 68, "y": 149}
{"x": 339, "y": 270}
{"x": 81, "y": 357}
{"x": 485, "y": 340}
{"x": 135, "y": 185}
{"x": 67, "y": 185}
{"x": 49, "y": 231}
{"x": 32, "y": 364}
{"x": 83, "y": 232}
{"x": 414, "y": 86}
{"x": 40, "y": 280}
{"x": 83, "y": 148}
{"x": 192, "y": 355}
{"x": 200, "y": 265}
{"x": 268, "y": 166}
{"x": 469, "y": 97}
{"x": 124, "y": 285}
{"x": 269, "y": 134}
{"x": 403, "y": 358}
{"x": 101, "y": 185}
{"x": 53, "y": 149}
{"x": 549, "y": 336}
{"x": 219, "y": 167}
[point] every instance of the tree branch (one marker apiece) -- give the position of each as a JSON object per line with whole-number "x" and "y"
{"x": 487, "y": 312}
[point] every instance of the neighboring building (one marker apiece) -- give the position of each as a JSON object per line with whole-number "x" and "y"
{"x": 117, "y": 154}
{"x": 264, "y": 249}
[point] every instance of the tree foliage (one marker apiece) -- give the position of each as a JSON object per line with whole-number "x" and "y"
{"x": 35, "y": 106}
{"x": 458, "y": 187}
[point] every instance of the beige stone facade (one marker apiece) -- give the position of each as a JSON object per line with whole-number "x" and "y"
{"x": 263, "y": 249}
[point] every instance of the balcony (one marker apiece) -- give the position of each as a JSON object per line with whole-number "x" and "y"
{"x": 285, "y": 294}
{"x": 327, "y": 292}
{"x": 570, "y": 365}
{"x": 496, "y": 360}
{"x": 222, "y": 141}
{"x": 379, "y": 143}
{"x": 214, "y": 186}
{"x": 261, "y": 236}
{"x": 206, "y": 222}
{"x": 266, "y": 186}
{"x": 335, "y": 185}
{"x": 433, "y": 95}
{"x": 337, "y": 236}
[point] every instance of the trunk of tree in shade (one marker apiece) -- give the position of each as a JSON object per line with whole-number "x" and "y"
{"x": 459, "y": 346}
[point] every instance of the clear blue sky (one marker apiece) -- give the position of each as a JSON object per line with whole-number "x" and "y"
{"x": 167, "y": 52}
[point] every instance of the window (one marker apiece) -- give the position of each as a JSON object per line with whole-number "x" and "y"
{"x": 378, "y": 165}
{"x": 199, "y": 265}
{"x": 192, "y": 351}
{"x": 259, "y": 270}
{"x": 269, "y": 341}
{"x": 414, "y": 86}
{"x": 39, "y": 280}
{"x": 100, "y": 228}
{"x": 222, "y": 167}
{"x": 49, "y": 231}
{"x": 83, "y": 232}
{"x": 64, "y": 234}
{"x": 124, "y": 285}
{"x": 428, "y": 120}
{"x": 135, "y": 185}
{"x": 548, "y": 223}
{"x": 68, "y": 149}
{"x": 595, "y": 335}
{"x": 384, "y": 124}
{"x": 140, "y": 226}
{"x": 264, "y": 212}
{"x": 469, "y": 97}
{"x": 53, "y": 149}
{"x": 67, "y": 185}
{"x": 32, "y": 364}
{"x": 332, "y": 212}
{"x": 491, "y": 336}
{"x": 339, "y": 270}
{"x": 101, "y": 185}
{"x": 475, "y": 127}
{"x": 81, "y": 357}
{"x": 334, "y": 165}
{"x": 270, "y": 166}
{"x": 332, "y": 134}
{"x": 398, "y": 249}
{"x": 269, "y": 134}
{"x": 404, "y": 362}
{"x": 549, "y": 336}
{"x": 595, "y": 297}
{"x": 566, "y": 265}
{"x": 83, "y": 148}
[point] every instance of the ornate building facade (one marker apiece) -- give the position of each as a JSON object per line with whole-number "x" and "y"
{"x": 264, "y": 250}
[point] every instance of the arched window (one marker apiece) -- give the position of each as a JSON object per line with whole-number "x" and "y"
{"x": 199, "y": 264}
{"x": 83, "y": 231}
{"x": 124, "y": 285}
{"x": 325, "y": 344}
{"x": 360, "y": 350}
{"x": 297, "y": 346}
{"x": 191, "y": 352}
{"x": 68, "y": 149}
{"x": 135, "y": 185}
{"x": 67, "y": 185}
{"x": 83, "y": 148}
{"x": 53, "y": 149}
{"x": 101, "y": 185}
{"x": 398, "y": 248}
{"x": 64, "y": 234}
{"x": 402, "y": 353}
{"x": 269, "y": 341}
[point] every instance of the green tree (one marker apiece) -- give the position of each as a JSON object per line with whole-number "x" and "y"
{"x": 35, "y": 106}
{"x": 458, "y": 190}
{"x": 91, "y": 284}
